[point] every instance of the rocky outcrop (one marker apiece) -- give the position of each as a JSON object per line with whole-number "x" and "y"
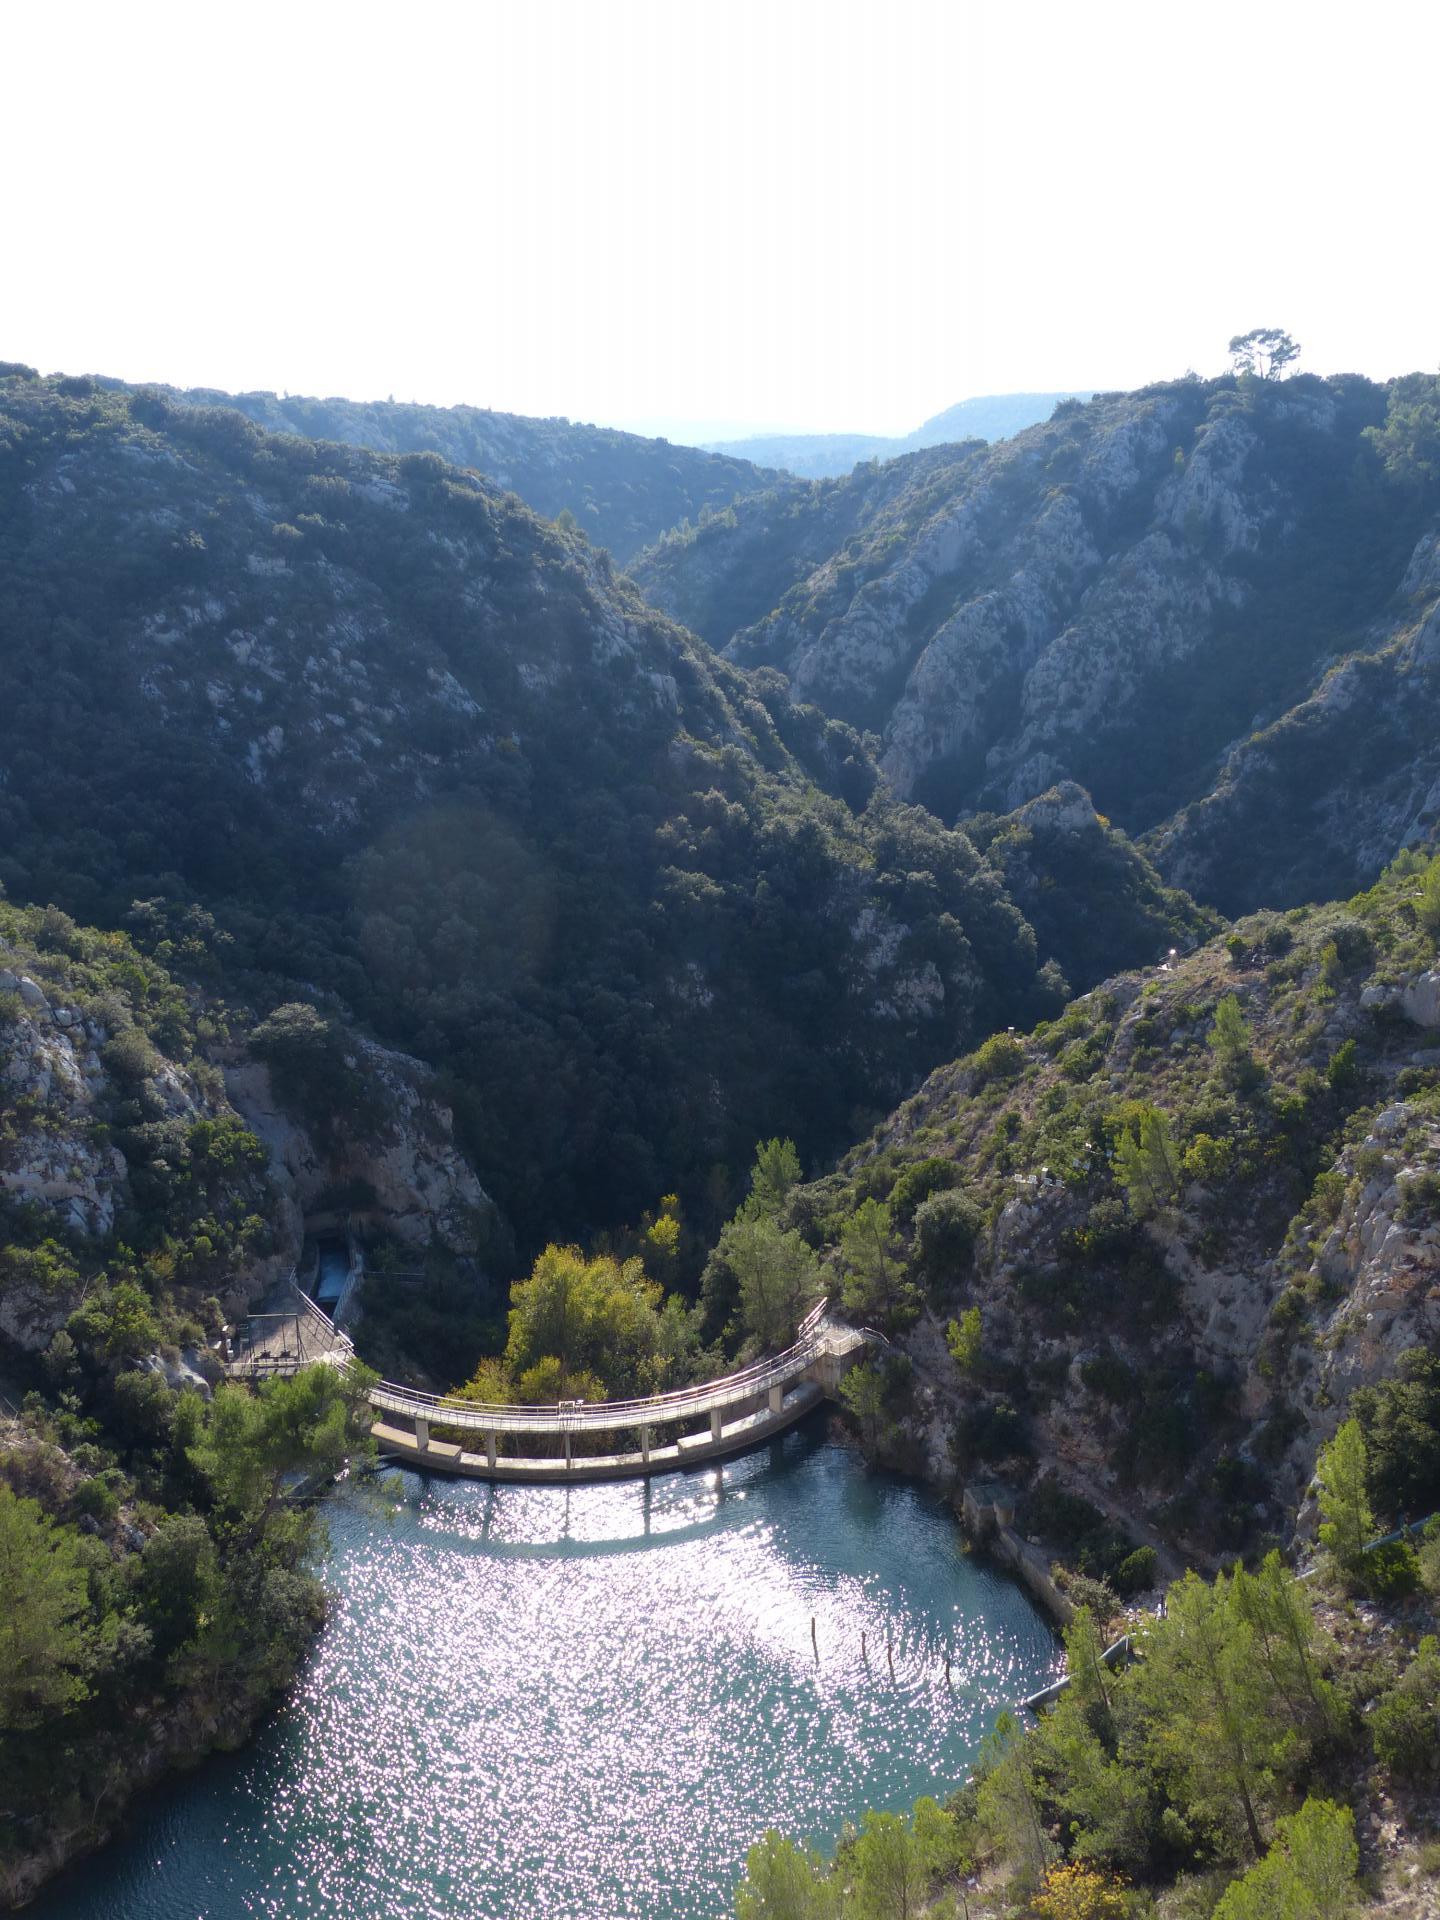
{"x": 1176, "y": 1336}
{"x": 73, "y": 1067}
{"x": 416, "y": 1185}
{"x": 1420, "y": 999}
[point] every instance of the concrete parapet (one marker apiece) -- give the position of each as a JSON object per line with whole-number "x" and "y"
{"x": 717, "y": 1441}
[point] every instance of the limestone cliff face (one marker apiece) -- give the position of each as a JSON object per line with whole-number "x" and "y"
{"x": 1326, "y": 794}
{"x": 103, "y": 1139}
{"x": 413, "y": 1183}
{"x": 1116, "y": 597}
{"x": 125, "y": 1148}
{"x": 1178, "y": 1348}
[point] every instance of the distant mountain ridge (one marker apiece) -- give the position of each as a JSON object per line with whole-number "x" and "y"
{"x": 821, "y": 456}
{"x": 623, "y": 490}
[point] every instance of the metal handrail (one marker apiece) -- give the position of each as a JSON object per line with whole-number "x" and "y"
{"x": 654, "y": 1410}
{"x": 680, "y": 1403}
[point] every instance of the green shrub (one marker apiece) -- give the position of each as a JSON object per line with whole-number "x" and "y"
{"x": 1136, "y": 1572}
{"x": 1403, "y": 1725}
{"x": 1002, "y": 1058}
{"x": 917, "y": 1183}
{"x": 1391, "y": 1572}
{"x": 95, "y": 1498}
{"x": 1083, "y": 1590}
{"x": 946, "y": 1228}
{"x": 1343, "y": 1071}
{"x": 1208, "y": 1159}
{"x": 1109, "y": 1376}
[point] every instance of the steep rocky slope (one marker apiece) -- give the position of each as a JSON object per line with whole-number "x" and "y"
{"x": 623, "y": 490}
{"x": 1187, "y": 1251}
{"x": 1324, "y": 794}
{"x": 1115, "y": 597}
{"x": 142, "y": 1138}
{"x": 415, "y": 747}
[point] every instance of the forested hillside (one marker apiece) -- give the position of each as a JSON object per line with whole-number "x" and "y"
{"x": 155, "y": 1593}
{"x": 623, "y": 490}
{"x": 1194, "y": 1220}
{"x": 415, "y": 748}
{"x": 1162, "y": 1279}
{"x": 1124, "y": 596}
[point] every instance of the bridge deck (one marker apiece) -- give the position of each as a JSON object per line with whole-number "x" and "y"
{"x": 761, "y": 1400}
{"x": 691, "y": 1450}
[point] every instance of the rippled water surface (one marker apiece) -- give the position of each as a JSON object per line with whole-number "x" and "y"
{"x": 585, "y": 1703}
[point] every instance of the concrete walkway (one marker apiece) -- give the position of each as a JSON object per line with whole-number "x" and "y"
{"x": 450, "y": 1435}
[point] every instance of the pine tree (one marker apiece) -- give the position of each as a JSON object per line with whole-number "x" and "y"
{"x": 1213, "y": 1729}
{"x": 1147, "y": 1164}
{"x": 1347, "y": 1523}
{"x": 43, "y": 1594}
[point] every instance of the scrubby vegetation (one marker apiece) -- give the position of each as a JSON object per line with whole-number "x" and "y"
{"x": 620, "y": 490}
{"x": 1218, "y": 1114}
{"x": 335, "y": 744}
{"x": 1221, "y": 1774}
{"x": 425, "y": 753}
{"x": 156, "y": 1581}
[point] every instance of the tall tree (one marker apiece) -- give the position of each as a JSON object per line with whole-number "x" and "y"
{"x": 1342, "y": 1471}
{"x": 1008, "y": 1802}
{"x": 1274, "y": 1606}
{"x": 1264, "y": 351}
{"x": 775, "y": 1173}
{"x": 1309, "y": 1873}
{"x": 1212, "y": 1730}
{"x": 43, "y": 1592}
{"x": 777, "y": 1274}
{"x": 1147, "y": 1163}
{"x": 783, "y": 1882}
{"x": 253, "y": 1443}
{"x": 887, "y": 1881}
{"x": 875, "y": 1281}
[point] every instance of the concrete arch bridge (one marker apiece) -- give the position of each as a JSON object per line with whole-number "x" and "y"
{"x": 443, "y": 1434}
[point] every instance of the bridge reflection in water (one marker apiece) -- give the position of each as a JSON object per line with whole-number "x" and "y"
{"x": 448, "y": 1435}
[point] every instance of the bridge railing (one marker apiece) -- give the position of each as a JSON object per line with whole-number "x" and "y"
{"x": 657, "y": 1409}
{"x": 815, "y": 1339}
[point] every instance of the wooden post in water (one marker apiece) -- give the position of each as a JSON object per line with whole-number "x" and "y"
{"x": 890, "y": 1652}
{"x": 948, "y": 1681}
{"x": 864, "y": 1652}
{"x": 813, "y": 1641}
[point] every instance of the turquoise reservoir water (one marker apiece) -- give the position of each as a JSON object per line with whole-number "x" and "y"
{"x": 586, "y": 1703}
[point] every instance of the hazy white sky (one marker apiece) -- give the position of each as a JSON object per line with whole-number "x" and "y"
{"x": 674, "y": 214}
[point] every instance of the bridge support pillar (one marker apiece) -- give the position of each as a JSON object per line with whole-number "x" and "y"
{"x": 715, "y": 1423}
{"x": 568, "y": 1461}
{"x": 490, "y": 1449}
{"x": 777, "y": 1398}
{"x": 645, "y": 1446}
{"x": 422, "y": 1432}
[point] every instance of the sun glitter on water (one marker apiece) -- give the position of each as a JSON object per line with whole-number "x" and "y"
{"x": 586, "y": 1703}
